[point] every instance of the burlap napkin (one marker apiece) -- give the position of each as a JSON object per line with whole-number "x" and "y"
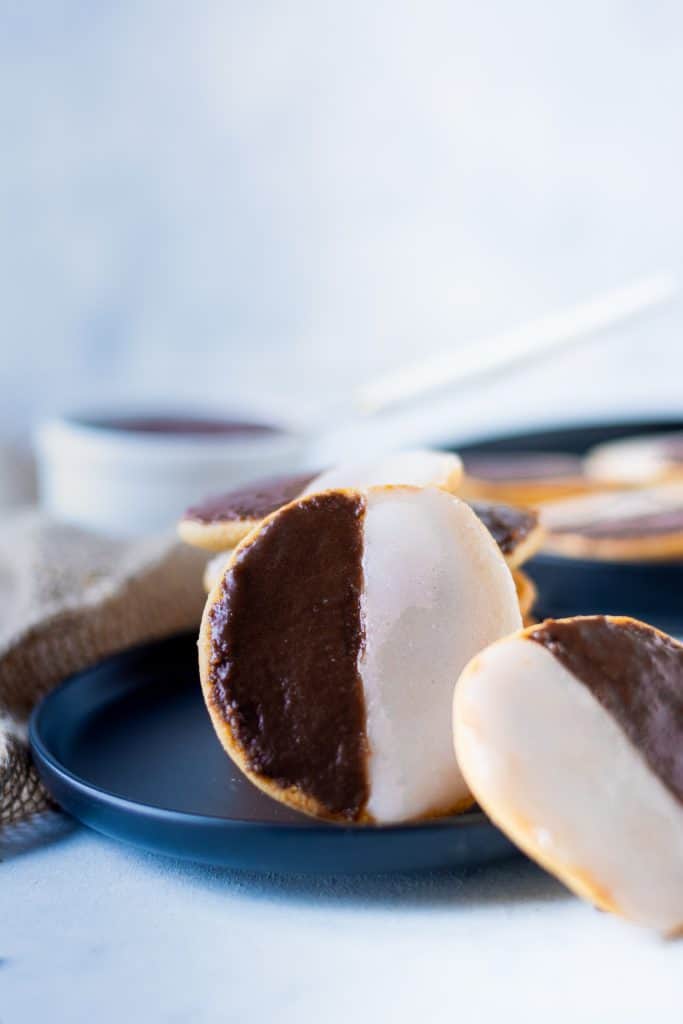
{"x": 67, "y": 599}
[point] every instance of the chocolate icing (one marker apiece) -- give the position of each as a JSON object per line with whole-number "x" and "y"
{"x": 255, "y": 501}
{"x": 637, "y": 676}
{"x": 523, "y": 466}
{"x": 286, "y": 638}
{"x": 509, "y": 525}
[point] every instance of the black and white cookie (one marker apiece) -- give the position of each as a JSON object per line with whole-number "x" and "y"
{"x": 330, "y": 647}
{"x": 524, "y": 478}
{"x": 570, "y": 736}
{"x": 625, "y": 525}
{"x": 637, "y": 461}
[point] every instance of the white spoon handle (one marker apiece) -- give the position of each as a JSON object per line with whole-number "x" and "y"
{"x": 533, "y": 340}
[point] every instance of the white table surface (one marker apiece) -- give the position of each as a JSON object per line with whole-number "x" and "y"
{"x": 92, "y": 930}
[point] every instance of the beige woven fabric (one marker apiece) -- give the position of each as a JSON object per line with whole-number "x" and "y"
{"x": 67, "y": 599}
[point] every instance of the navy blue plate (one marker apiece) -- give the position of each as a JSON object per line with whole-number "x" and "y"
{"x": 127, "y": 747}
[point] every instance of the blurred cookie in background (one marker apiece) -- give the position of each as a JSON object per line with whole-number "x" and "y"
{"x": 569, "y": 735}
{"x": 524, "y": 478}
{"x": 221, "y": 521}
{"x": 637, "y": 461}
{"x": 626, "y": 525}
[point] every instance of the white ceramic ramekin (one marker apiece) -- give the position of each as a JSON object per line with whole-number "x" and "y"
{"x": 127, "y": 481}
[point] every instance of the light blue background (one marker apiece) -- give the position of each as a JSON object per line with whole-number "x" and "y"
{"x": 267, "y": 201}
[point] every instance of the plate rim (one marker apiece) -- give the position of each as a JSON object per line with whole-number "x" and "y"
{"x": 47, "y": 762}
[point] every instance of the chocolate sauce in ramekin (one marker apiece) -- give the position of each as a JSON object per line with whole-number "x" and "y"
{"x": 180, "y": 426}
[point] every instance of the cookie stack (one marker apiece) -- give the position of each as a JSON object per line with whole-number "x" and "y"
{"x": 363, "y": 660}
